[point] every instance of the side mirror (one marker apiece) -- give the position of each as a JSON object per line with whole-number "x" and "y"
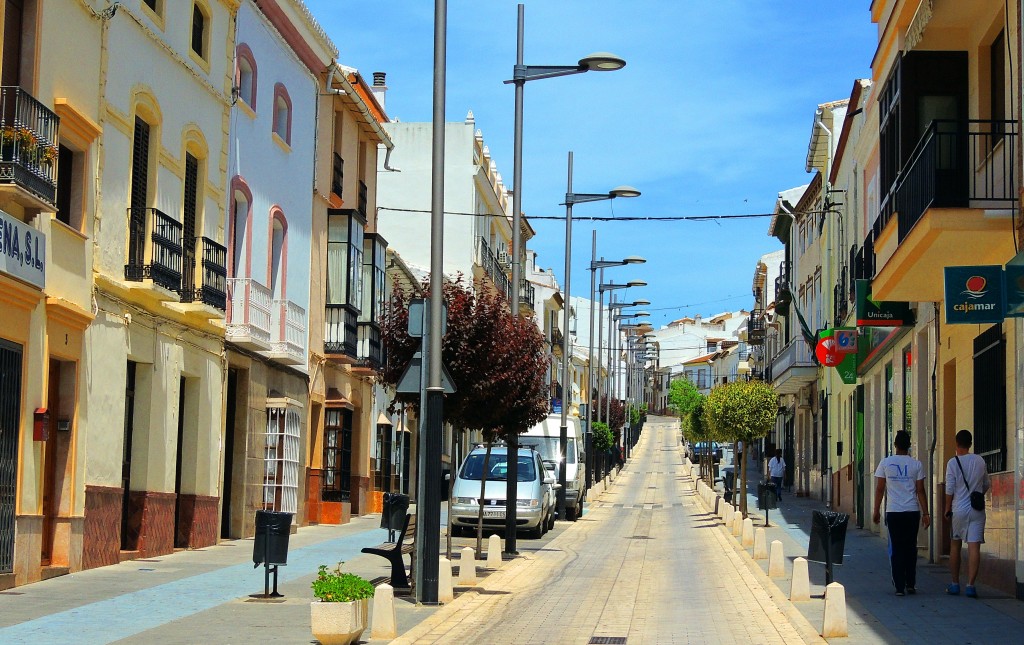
{"x": 550, "y": 481}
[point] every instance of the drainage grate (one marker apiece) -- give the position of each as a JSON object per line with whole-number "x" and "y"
{"x": 607, "y": 640}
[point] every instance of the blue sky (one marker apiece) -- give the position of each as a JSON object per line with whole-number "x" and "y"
{"x": 711, "y": 116}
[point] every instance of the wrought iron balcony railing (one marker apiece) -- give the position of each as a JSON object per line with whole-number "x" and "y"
{"x": 371, "y": 349}
{"x": 341, "y": 335}
{"x": 493, "y": 268}
{"x": 212, "y": 288}
{"x": 154, "y": 248}
{"x": 28, "y": 144}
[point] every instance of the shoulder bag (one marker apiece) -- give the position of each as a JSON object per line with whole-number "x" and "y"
{"x": 977, "y": 498}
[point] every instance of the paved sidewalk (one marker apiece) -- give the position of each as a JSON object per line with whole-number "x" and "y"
{"x": 875, "y": 614}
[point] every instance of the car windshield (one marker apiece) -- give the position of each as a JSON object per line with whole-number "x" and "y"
{"x": 497, "y": 468}
{"x": 548, "y": 447}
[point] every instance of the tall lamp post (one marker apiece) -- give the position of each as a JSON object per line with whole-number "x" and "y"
{"x": 595, "y": 266}
{"x": 570, "y": 199}
{"x": 521, "y": 73}
{"x": 612, "y": 307}
{"x": 617, "y": 350}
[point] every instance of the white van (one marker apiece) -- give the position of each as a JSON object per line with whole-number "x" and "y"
{"x": 544, "y": 438}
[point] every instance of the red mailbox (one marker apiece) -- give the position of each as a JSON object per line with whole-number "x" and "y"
{"x": 41, "y": 425}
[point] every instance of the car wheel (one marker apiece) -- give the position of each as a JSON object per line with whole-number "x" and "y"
{"x": 537, "y": 532}
{"x": 551, "y": 521}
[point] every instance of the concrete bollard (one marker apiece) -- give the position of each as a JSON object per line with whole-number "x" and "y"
{"x": 776, "y": 561}
{"x": 467, "y": 568}
{"x": 737, "y": 523}
{"x": 800, "y": 588}
{"x": 494, "y": 552}
{"x": 728, "y": 515}
{"x": 385, "y": 621}
{"x": 722, "y": 510}
{"x": 834, "y": 622}
{"x": 748, "y": 532}
{"x": 445, "y": 588}
{"x": 760, "y": 544}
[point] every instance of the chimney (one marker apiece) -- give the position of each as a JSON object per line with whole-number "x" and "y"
{"x": 379, "y": 87}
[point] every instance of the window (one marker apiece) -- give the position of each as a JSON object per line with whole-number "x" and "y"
{"x": 245, "y": 75}
{"x": 200, "y": 29}
{"x": 69, "y": 186}
{"x": 337, "y": 467}
{"x": 997, "y": 86}
{"x": 344, "y": 257}
{"x": 990, "y": 398}
{"x": 281, "y": 461}
{"x": 278, "y": 253}
{"x": 373, "y": 301}
{"x": 282, "y": 114}
{"x": 154, "y": 5}
{"x": 240, "y": 233}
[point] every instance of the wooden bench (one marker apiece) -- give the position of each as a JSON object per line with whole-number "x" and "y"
{"x": 393, "y": 552}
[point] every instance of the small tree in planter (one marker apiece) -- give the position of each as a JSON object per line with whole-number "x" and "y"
{"x": 602, "y": 441}
{"x": 342, "y": 611}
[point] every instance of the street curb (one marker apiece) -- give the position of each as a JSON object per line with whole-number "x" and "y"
{"x": 804, "y": 628}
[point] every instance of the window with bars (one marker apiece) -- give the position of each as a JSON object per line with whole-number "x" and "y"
{"x": 281, "y": 460}
{"x": 337, "y": 466}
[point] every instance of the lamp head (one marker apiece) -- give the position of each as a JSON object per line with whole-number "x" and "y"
{"x": 624, "y": 191}
{"x": 642, "y": 314}
{"x": 634, "y": 259}
{"x": 640, "y": 303}
{"x": 636, "y": 283}
{"x": 602, "y": 62}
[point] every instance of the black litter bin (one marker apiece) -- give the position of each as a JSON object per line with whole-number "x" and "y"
{"x": 828, "y": 539}
{"x": 767, "y": 496}
{"x": 273, "y": 528}
{"x": 396, "y": 506}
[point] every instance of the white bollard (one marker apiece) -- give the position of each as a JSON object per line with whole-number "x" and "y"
{"x": 385, "y": 622}
{"x": 760, "y": 544}
{"x": 445, "y": 588}
{"x": 467, "y": 568}
{"x": 748, "y": 532}
{"x": 737, "y": 523}
{"x": 494, "y": 551}
{"x": 728, "y": 515}
{"x": 722, "y": 510}
{"x": 834, "y": 622}
{"x": 776, "y": 561}
{"x": 800, "y": 589}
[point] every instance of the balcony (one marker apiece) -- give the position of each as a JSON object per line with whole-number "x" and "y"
{"x": 249, "y": 317}
{"x": 793, "y": 368}
{"x": 370, "y": 350}
{"x": 287, "y": 333}
{"x": 756, "y": 327}
{"x": 954, "y": 200}
{"x": 341, "y": 335}
{"x": 527, "y": 293}
{"x": 28, "y": 150}
{"x": 493, "y": 268}
{"x": 154, "y": 248}
{"x": 212, "y": 288}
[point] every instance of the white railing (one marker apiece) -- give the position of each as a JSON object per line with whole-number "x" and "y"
{"x": 289, "y": 331}
{"x": 249, "y": 316}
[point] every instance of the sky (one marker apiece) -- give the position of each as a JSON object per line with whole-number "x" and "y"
{"x": 712, "y": 115}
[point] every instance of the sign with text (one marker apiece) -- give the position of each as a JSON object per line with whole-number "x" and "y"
{"x": 838, "y": 348}
{"x": 877, "y": 313}
{"x": 974, "y": 294}
{"x": 22, "y": 251}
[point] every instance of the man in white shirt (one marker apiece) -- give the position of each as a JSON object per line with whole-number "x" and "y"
{"x": 900, "y": 479}
{"x": 966, "y": 473}
{"x": 776, "y": 471}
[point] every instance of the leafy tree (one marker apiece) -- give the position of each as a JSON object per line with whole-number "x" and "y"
{"x": 603, "y": 437}
{"x": 683, "y": 397}
{"x": 742, "y": 411}
{"x": 618, "y": 413}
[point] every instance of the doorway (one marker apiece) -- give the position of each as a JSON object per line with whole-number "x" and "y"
{"x": 229, "y": 454}
{"x": 10, "y": 416}
{"x": 56, "y": 450}
{"x": 129, "y": 525}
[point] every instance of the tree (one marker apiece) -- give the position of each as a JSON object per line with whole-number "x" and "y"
{"x": 496, "y": 361}
{"x": 742, "y": 411}
{"x": 683, "y": 397}
{"x": 618, "y": 413}
{"x": 603, "y": 440}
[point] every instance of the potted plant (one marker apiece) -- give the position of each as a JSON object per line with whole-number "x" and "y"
{"x": 341, "y": 611}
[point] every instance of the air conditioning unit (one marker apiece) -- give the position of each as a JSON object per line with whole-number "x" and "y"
{"x": 504, "y": 258}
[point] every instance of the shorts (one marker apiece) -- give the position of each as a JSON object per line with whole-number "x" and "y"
{"x": 969, "y": 526}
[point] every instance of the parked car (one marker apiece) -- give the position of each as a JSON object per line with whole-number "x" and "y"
{"x": 534, "y": 492}
{"x": 702, "y": 448}
{"x": 545, "y": 439}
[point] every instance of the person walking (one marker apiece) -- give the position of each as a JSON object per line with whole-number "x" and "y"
{"x": 776, "y": 471}
{"x": 967, "y": 482}
{"x": 899, "y": 479}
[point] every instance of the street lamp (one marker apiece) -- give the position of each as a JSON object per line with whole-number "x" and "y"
{"x": 595, "y": 266}
{"x": 612, "y": 306}
{"x": 563, "y": 431}
{"x": 521, "y": 73}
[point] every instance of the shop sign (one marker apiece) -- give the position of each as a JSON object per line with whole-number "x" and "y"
{"x": 878, "y": 313}
{"x": 838, "y": 348}
{"x": 22, "y": 251}
{"x": 974, "y": 294}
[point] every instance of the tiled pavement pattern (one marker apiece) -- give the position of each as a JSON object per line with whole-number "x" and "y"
{"x": 646, "y": 564}
{"x": 874, "y": 613}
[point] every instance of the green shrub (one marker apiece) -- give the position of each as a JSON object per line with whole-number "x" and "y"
{"x": 603, "y": 437}
{"x": 335, "y": 586}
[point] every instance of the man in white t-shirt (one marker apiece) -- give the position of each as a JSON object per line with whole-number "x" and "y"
{"x": 900, "y": 479}
{"x": 776, "y": 471}
{"x": 966, "y": 473}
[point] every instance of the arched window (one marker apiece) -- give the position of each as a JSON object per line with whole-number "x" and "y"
{"x": 282, "y": 113}
{"x": 277, "y": 272}
{"x": 245, "y": 75}
{"x": 241, "y": 229}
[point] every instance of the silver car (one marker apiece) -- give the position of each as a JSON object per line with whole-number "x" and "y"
{"x": 534, "y": 492}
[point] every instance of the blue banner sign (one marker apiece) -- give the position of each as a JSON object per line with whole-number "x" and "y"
{"x": 974, "y": 295}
